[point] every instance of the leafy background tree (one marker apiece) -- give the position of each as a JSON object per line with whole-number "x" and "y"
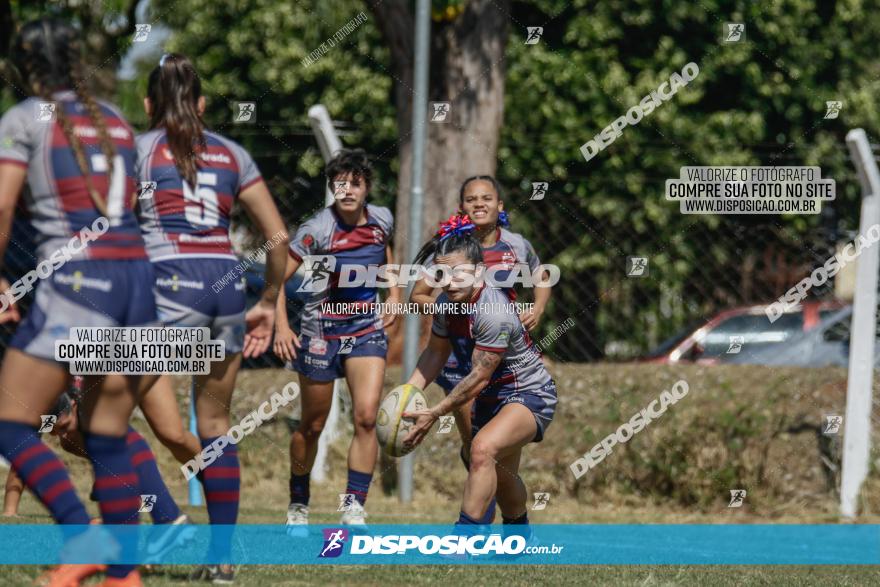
{"x": 759, "y": 101}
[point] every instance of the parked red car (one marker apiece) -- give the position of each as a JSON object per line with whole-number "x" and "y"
{"x": 706, "y": 341}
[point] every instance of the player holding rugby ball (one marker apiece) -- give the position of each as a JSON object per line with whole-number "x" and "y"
{"x": 515, "y": 398}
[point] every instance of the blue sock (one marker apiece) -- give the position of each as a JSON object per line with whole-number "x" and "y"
{"x": 165, "y": 510}
{"x": 299, "y": 488}
{"x": 359, "y": 485}
{"x": 42, "y": 471}
{"x": 117, "y": 489}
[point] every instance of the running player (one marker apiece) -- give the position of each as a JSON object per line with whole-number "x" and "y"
{"x": 77, "y": 156}
{"x": 515, "y": 396}
{"x": 194, "y": 177}
{"x": 344, "y": 341}
{"x": 480, "y": 200}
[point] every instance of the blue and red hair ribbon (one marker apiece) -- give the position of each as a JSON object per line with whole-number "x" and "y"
{"x": 457, "y": 224}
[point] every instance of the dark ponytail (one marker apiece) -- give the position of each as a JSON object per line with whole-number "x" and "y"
{"x": 48, "y": 55}
{"x": 174, "y": 88}
{"x": 456, "y": 234}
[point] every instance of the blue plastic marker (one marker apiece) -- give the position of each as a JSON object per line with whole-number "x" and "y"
{"x": 195, "y": 488}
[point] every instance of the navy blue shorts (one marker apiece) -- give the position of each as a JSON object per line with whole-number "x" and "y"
{"x": 189, "y": 294}
{"x": 87, "y": 294}
{"x": 451, "y": 375}
{"x": 541, "y": 402}
{"x": 324, "y": 359}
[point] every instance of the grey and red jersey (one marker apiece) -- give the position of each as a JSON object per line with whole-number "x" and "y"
{"x": 58, "y": 201}
{"x": 490, "y": 323}
{"x": 325, "y": 239}
{"x": 179, "y": 220}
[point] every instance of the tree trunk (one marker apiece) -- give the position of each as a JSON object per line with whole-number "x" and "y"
{"x": 467, "y": 71}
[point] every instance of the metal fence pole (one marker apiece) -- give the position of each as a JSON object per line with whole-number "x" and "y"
{"x": 420, "y": 112}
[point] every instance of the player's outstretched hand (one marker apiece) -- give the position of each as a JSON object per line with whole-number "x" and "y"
{"x": 530, "y": 319}
{"x": 10, "y": 314}
{"x": 259, "y": 321}
{"x": 422, "y": 422}
{"x": 286, "y": 342}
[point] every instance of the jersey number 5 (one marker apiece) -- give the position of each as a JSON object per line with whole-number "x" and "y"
{"x": 204, "y": 211}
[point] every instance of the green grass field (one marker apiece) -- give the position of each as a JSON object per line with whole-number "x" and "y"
{"x": 737, "y": 427}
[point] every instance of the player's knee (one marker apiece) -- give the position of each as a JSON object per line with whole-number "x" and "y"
{"x": 312, "y": 428}
{"x": 483, "y": 453}
{"x": 365, "y": 422}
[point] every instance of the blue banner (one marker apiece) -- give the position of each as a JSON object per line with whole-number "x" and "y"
{"x": 828, "y": 544}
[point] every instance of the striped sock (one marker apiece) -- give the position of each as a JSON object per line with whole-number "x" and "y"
{"x": 116, "y": 487}
{"x": 165, "y": 510}
{"x": 222, "y": 484}
{"x": 42, "y": 472}
{"x": 359, "y": 485}
{"x": 299, "y": 488}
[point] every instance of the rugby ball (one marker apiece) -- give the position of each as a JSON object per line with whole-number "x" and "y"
{"x": 390, "y": 428}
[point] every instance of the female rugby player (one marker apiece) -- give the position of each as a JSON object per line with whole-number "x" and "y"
{"x": 480, "y": 200}
{"x": 341, "y": 335}
{"x": 78, "y": 158}
{"x": 512, "y": 393}
{"x": 196, "y": 177}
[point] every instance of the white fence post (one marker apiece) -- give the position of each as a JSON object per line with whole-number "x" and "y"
{"x": 857, "y": 422}
{"x": 329, "y": 143}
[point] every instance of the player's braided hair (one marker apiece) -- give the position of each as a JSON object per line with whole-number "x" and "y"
{"x": 174, "y": 89}
{"x": 48, "y": 55}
